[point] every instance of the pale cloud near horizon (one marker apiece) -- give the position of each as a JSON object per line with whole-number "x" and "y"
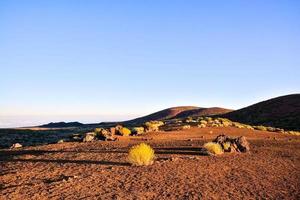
{"x": 35, "y": 120}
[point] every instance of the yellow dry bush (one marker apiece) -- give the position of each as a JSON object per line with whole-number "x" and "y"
{"x": 141, "y": 154}
{"x": 260, "y": 128}
{"x": 214, "y": 148}
{"x": 124, "y": 131}
{"x": 138, "y": 130}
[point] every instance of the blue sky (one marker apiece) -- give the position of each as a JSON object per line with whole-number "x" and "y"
{"x": 128, "y": 58}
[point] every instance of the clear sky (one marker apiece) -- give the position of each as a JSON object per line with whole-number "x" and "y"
{"x": 127, "y": 58}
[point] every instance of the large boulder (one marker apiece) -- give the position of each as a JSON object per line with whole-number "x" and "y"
{"x": 229, "y": 144}
{"x": 242, "y": 144}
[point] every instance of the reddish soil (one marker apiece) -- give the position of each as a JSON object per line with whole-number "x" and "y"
{"x": 99, "y": 170}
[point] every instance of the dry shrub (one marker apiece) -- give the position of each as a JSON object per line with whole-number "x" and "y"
{"x": 138, "y": 130}
{"x": 186, "y": 127}
{"x": 153, "y": 125}
{"x": 124, "y": 131}
{"x": 260, "y": 128}
{"x": 214, "y": 148}
{"x": 141, "y": 154}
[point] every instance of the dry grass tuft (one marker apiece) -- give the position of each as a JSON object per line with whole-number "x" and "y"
{"x": 124, "y": 131}
{"x": 214, "y": 148}
{"x": 141, "y": 154}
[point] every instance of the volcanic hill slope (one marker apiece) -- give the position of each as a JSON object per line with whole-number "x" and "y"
{"x": 162, "y": 115}
{"x": 281, "y": 112}
{"x": 203, "y": 112}
{"x": 179, "y": 112}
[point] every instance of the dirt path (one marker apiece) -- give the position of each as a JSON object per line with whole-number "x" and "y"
{"x": 99, "y": 170}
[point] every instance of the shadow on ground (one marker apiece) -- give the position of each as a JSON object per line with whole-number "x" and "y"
{"x": 10, "y": 156}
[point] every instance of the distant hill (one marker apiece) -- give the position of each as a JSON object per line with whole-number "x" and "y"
{"x": 179, "y": 112}
{"x": 202, "y": 112}
{"x": 62, "y": 125}
{"x": 161, "y": 115}
{"x": 281, "y": 112}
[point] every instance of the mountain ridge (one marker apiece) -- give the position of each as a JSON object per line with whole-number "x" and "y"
{"x": 279, "y": 112}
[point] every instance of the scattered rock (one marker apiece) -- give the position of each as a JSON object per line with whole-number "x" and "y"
{"x": 118, "y": 128}
{"x": 201, "y": 125}
{"x": 76, "y": 137}
{"x": 103, "y": 134}
{"x": 186, "y": 127}
{"x": 89, "y": 137}
{"x": 60, "y": 141}
{"x": 60, "y": 178}
{"x": 16, "y": 145}
{"x": 174, "y": 159}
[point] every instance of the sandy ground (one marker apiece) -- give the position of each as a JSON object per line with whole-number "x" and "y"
{"x": 99, "y": 170}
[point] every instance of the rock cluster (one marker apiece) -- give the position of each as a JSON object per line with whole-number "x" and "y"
{"x": 100, "y": 134}
{"x": 97, "y": 134}
{"x": 224, "y": 144}
{"x": 229, "y": 144}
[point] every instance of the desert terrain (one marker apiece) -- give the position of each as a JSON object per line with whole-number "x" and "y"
{"x": 100, "y": 170}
